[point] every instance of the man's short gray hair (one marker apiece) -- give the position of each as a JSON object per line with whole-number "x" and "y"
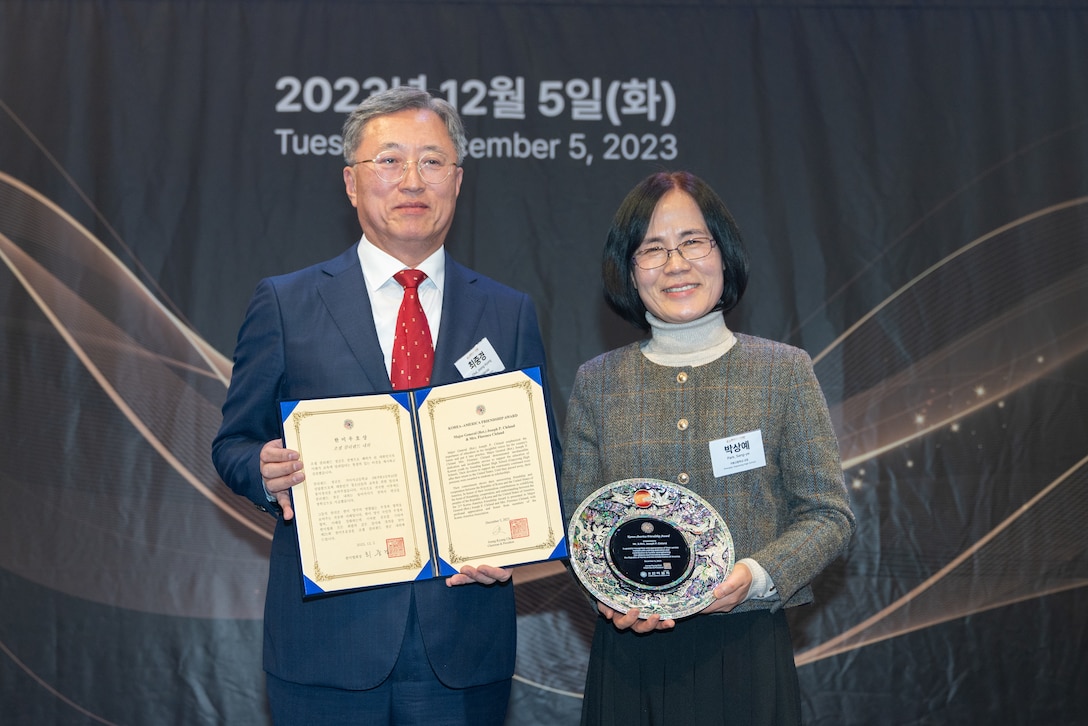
{"x": 397, "y": 99}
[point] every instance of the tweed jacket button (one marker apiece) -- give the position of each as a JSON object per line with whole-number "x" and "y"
{"x": 682, "y": 424}
{"x": 682, "y": 377}
{"x": 683, "y": 478}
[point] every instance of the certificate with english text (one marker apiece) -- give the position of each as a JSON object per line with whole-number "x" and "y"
{"x": 417, "y": 484}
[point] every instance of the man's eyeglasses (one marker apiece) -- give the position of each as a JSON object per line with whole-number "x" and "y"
{"x": 433, "y": 169}
{"x": 655, "y": 256}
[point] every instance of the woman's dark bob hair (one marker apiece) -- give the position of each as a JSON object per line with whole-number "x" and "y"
{"x": 629, "y": 229}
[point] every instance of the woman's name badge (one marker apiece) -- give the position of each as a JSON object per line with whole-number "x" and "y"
{"x": 738, "y": 453}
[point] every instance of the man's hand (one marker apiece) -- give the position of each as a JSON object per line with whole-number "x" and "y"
{"x": 281, "y": 470}
{"x": 484, "y": 575}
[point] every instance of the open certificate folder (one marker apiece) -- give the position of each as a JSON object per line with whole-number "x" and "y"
{"x": 417, "y": 484}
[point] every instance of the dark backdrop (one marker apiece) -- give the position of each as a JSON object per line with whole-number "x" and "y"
{"x": 911, "y": 181}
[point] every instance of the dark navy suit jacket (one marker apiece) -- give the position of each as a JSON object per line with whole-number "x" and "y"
{"x": 310, "y": 334}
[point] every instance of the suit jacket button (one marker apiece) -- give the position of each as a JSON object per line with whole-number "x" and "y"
{"x": 682, "y": 424}
{"x": 683, "y": 478}
{"x": 682, "y": 377}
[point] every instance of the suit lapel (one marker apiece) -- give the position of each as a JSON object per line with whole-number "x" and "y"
{"x": 344, "y": 293}
{"x": 463, "y": 307}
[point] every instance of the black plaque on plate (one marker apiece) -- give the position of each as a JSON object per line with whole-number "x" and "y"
{"x": 648, "y": 553}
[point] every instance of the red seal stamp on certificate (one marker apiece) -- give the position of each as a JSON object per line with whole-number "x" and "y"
{"x": 394, "y": 547}
{"x": 519, "y": 528}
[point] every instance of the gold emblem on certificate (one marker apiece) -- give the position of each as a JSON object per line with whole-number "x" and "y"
{"x": 652, "y": 545}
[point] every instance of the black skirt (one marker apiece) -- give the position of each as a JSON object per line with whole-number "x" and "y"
{"x": 724, "y": 669}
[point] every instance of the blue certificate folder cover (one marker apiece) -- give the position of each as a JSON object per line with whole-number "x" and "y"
{"x": 321, "y": 579}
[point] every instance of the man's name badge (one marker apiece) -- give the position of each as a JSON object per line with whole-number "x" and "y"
{"x": 652, "y": 545}
{"x": 480, "y": 360}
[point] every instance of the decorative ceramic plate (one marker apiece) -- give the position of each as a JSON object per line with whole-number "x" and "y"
{"x": 652, "y": 545}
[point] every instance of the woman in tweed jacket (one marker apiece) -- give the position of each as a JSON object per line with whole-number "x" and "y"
{"x": 674, "y": 265}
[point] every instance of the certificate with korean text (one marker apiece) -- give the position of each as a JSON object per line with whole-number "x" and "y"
{"x": 417, "y": 484}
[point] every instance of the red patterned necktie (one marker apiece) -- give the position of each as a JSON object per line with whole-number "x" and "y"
{"x": 413, "y": 352}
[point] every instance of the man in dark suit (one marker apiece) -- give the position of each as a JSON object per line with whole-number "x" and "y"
{"x": 437, "y": 651}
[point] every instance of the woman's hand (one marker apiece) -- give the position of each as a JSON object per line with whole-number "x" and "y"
{"x": 732, "y": 592}
{"x": 631, "y": 621}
